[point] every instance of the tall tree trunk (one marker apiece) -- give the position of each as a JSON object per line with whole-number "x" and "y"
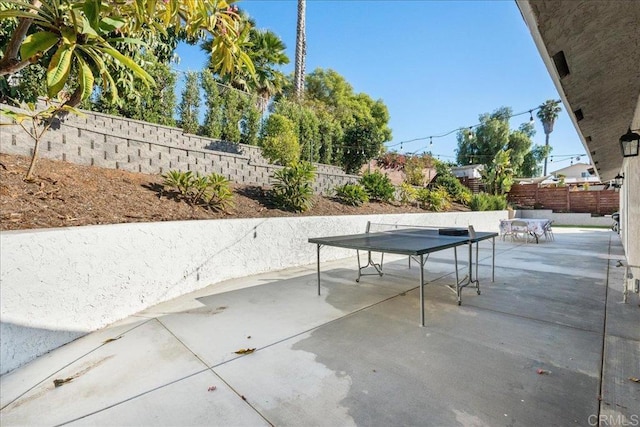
{"x": 301, "y": 50}
{"x": 546, "y": 144}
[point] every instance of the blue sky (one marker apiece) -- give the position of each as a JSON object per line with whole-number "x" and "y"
{"x": 437, "y": 65}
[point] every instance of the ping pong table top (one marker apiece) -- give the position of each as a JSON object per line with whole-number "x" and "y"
{"x": 405, "y": 241}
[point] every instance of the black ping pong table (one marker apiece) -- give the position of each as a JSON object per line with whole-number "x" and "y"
{"x": 417, "y": 242}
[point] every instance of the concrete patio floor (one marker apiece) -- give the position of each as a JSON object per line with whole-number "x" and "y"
{"x": 548, "y": 343}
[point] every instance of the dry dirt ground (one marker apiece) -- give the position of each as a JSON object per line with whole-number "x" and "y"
{"x": 64, "y": 194}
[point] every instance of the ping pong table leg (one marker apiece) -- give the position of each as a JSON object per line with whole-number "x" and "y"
{"x": 318, "y": 269}
{"x": 477, "y": 280}
{"x": 493, "y": 260}
{"x": 422, "y": 290}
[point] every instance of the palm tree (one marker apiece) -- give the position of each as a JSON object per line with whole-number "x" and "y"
{"x": 301, "y": 51}
{"x": 266, "y": 51}
{"x": 548, "y": 113}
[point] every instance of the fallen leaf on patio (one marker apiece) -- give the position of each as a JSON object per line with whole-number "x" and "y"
{"x": 634, "y": 379}
{"x": 111, "y": 340}
{"x": 59, "y": 382}
{"x": 243, "y": 398}
{"x": 543, "y": 372}
{"x": 245, "y": 351}
{"x": 212, "y": 388}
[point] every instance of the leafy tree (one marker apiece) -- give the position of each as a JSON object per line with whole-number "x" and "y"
{"x": 532, "y": 160}
{"x": 352, "y": 127}
{"x": 189, "y": 107}
{"x": 232, "y": 115}
{"x": 548, "y": 113}
{"x": 306, "y": 125}
{"x": 360, "y": 144}
{"x": 498, "y": 175}
{"x": 83, "y": 35}
{"x": 250, "y": 122}
{"x": 145, "y": 102}
{"x": 279, "y": 142}
{"x": 212, "y": 126}
{"x": 492, "y": 135}
{"x": 79, "y": 42}
{"x": 267, "y": 52}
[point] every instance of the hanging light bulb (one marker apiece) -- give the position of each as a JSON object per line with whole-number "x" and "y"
{"x": 430, "y": 140}
{"x": 531, "y": 121}
{"x": 401, "y": 146}
{"x": 471, "y": 135}
{"x": 550, "y": 159}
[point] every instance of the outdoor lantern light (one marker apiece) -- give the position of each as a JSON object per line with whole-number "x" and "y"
{"x": 618, "y": 180}
{"x": 629, "y": 143}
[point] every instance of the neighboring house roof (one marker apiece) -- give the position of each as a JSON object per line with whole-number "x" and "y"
{"x": 573, "y": 170}
{"x": 470, "y": 171}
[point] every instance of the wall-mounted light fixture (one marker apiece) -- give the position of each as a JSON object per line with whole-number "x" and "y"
{"x": 617, "y": 181}
{"x": 629, "y": 143}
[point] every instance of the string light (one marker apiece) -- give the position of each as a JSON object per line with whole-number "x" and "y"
{"x": 470, "y": 128}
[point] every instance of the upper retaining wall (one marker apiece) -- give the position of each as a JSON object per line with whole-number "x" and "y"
{"x": 113, "y": 142}
{"x": 59, "y": 284}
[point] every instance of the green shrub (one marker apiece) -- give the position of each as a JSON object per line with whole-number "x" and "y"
{"x": 455, "y": 188}
{"x": 292, "y": 187}
{"x": 219, "y": 194}
{"x": 212, "y": 191}
{"x": 279, "y": 141}
{"x": 498, "y": 202}
{"x": 407, "y": 193}
{"x": 488, "y": 202}
{"x": 352, "y": 194}
{"x": 479, "y": 202}
{"x": 422, "y": 197}
{"x": 439, "y": 200}
{"x": 436, "y": 200}
{"x": 378, "y": 186}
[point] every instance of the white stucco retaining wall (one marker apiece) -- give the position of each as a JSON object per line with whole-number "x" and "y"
{"x": 59, "y": 284}
{"x": 574, "y": 219}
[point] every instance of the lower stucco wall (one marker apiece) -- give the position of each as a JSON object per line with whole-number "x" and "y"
{"x": 58, "y": 284}
{"x": 574, "y": 219}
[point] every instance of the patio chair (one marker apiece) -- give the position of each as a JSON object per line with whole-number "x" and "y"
{"x": 548, "y": 232}
{"x": 519, "y": 229}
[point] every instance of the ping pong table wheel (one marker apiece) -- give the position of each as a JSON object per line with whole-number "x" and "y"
{"x": 478, "y": 291}
{"x": 358, "y": 280}
{"x": 459, "y": 302}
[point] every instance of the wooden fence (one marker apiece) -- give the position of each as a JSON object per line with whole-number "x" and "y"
{"x": 562, "y": 199}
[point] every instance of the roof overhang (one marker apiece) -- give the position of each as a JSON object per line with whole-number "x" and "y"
{"x": 600, "y": 86}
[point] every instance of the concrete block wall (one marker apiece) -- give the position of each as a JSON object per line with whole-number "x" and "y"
{"x": 106, "y": 141}
{"x": 59, "y": 284}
